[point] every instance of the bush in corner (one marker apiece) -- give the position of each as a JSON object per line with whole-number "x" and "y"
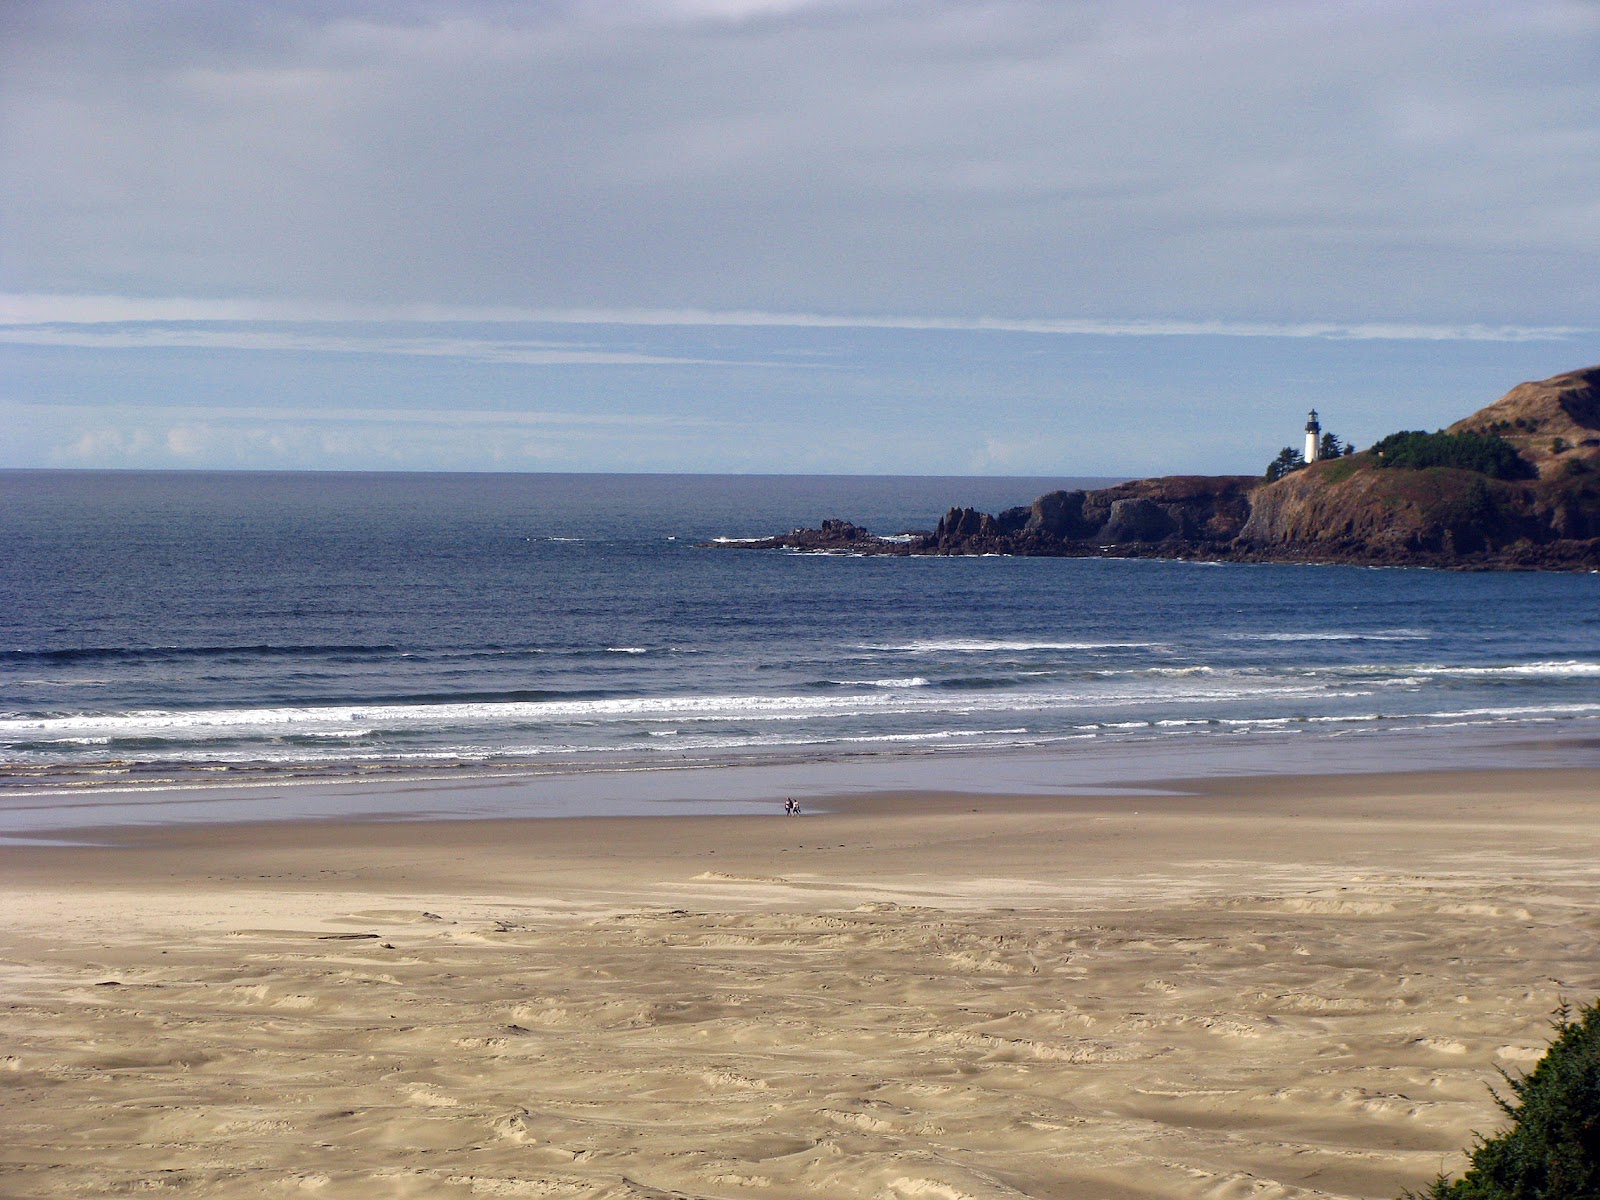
{"x": 1552, "y": 1149}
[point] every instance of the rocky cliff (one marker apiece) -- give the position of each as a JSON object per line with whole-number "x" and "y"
{"x": 1173, "y": 512}
{"x": 1357, "y": 509}
{"x": 1175, "y": 516}
{"x": 1351, "y": 512}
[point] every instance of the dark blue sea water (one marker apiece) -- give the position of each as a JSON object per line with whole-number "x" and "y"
{"x": 155, "y": 625}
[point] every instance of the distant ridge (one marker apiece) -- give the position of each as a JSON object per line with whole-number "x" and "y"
{"x": 1355, "y": 509}
{"x": 1535, "y": 417}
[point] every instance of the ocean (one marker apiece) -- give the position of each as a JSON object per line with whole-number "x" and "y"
{"x": 158, "y": 629}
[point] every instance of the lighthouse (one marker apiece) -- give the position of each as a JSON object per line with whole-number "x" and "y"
{"x": 1313, "y": 438}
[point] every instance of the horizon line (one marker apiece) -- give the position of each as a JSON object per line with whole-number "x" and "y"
{"x": 1034, "y": 475}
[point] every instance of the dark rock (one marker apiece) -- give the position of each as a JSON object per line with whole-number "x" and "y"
{"x": 1014, "y": 520}
{"x": 968, "y": 531}
{"x": 835, "y": 536}
{"x": 844, "y": 531}
{"x": 1137, "y": 519}
{"x": 1059, "y": 515}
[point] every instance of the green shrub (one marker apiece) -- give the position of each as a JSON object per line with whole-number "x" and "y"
{"x": 1288, "y": 461}
{"x": 1484, "y": 453}
{"x": 1552, "y": 1149}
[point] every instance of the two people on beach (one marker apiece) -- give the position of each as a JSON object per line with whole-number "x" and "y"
{"x": 791, "y": 807}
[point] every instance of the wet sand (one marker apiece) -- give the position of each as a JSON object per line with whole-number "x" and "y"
{"x": 1266, "y": 988}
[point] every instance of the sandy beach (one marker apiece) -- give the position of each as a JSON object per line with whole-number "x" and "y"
{"x": 1260, "y": 988}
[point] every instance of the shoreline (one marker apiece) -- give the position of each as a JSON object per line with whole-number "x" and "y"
{"x": 1302, "y": 984}
{"x": 736, "y": 786}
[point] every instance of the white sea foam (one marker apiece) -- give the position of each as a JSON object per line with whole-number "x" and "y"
{"x": 1325, "y": 635}
{"x": 911, "y": 681}
{"x": 1421, "y": 674}
{"x": 1563, "y": 669}
{"x": 1529, "y": 710}
{"x": 1177, "y": 701}
{"x": 1000, "y": 645}
{"x": 881, "y": 701}
{"x": 711, "y": 742}
{"x": 936, "y": 735}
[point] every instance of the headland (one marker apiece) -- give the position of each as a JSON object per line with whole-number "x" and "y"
{"x": 1516, "y": 486}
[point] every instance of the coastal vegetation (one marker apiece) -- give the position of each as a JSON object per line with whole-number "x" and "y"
{"x": 1488, "y": 454}
{"x": 1552, "y": 1149}
{"x": 1289, "y": 459}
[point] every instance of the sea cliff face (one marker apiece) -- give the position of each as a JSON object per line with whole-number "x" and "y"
{"x": 1357, "y": 509}
{"x": 1348, "y": 511}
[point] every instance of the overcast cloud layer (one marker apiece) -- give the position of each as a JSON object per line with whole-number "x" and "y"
{"x": 1384, "y": 171}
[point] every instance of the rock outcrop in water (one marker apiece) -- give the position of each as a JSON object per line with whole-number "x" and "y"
{"x": 1348, "y": 510}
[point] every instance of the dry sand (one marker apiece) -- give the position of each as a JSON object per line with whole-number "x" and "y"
{"x": 1275, "y": 988}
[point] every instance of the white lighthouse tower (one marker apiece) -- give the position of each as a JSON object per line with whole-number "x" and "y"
{"x": 1313, "y": 438}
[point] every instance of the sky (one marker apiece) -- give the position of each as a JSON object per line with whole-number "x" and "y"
{"x": 1024, "y": 237}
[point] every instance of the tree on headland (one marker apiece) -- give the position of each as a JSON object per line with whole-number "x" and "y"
{"x": 1289, "y": 460}
{"x": 1485, "y": 453}
{"x": 1331, "y": 447}
{"x": 1552, "y": 1149}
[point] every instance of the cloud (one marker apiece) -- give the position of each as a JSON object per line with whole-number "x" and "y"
{"x": 210, "y": 417}
{"x": 107, "y": 446}
{"x": 115, "y": 322}
{"x": 189, "y": 441}
{"x": 188, "y": 337}
{"x": 1235, "y": 164}
{"x": 370, "y": 439}
{"x": 1018, "y": 453}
